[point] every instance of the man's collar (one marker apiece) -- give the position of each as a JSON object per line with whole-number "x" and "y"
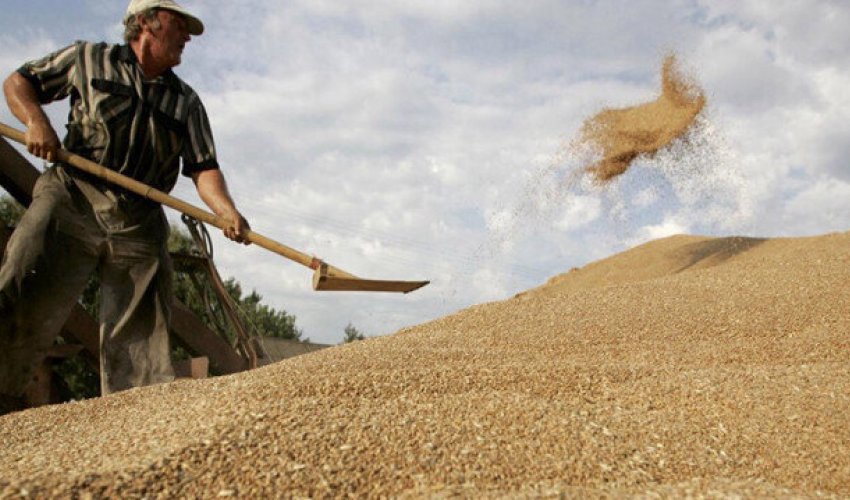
{"x": 126, "y": 54}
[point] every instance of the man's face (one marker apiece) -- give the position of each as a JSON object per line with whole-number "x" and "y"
{"x": 170, "y": 38}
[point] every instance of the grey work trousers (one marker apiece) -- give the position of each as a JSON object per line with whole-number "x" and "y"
{"x": 70, "y": 231}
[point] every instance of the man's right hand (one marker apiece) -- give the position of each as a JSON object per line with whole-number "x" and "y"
{"x": 42, "y": 140}
{"x": 40, "y": 137}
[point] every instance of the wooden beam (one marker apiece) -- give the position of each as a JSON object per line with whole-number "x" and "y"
{"x": 17, "y": 175}
{"x": 82, "y": 329}
{"x": 5, "y": 233}
{"x": 192, "y": 368}
{"x": 201, "y": 341}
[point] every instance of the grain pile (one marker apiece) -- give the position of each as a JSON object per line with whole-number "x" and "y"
{"x": 621, "y": 135}
{"x": 685, "y": 367}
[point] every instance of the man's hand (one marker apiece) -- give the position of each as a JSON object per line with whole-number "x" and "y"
{"x": 213, "y": 190}
{"x": 42, "y": 140}
{"x": 237, "y": 228}
{"x": 40, "y": 137}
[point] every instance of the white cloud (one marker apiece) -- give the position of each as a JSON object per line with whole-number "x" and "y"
{"x": 826, "y": 203}
{"x": 669, "y": 227}
{"x": 813, "y": 31}
{"x": 578, "y": 211}
{"x": 646, "y": 197}
{"x": 750, "y": 74}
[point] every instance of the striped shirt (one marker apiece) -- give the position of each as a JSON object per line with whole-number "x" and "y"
{"x": 120, "y": 119}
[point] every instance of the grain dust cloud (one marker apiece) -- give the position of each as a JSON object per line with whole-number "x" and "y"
{"x": 624, "y": 134}
{"x": 655, "y": 167}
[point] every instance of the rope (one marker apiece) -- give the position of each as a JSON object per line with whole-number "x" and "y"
{"x": 244, "y": 341}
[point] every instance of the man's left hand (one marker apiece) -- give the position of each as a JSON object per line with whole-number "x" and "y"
{"x": 237, "y": 228}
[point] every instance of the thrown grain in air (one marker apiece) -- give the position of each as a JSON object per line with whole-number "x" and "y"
{"x": 621, "y": 135}
{"x": 688, "y": 366}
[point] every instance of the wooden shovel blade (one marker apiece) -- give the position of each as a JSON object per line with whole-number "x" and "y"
{"x": 322, "y": 281}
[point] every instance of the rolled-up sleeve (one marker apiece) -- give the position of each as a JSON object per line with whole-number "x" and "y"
{"x": 52, "y": 76}
{"x": 199, "y": 148}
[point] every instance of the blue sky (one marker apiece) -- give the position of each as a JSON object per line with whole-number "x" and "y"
{"x": 428, "y": 140}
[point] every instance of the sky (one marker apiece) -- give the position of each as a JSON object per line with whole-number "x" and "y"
{"x": 432, "y": 140}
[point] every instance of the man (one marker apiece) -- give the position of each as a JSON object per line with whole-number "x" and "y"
{"x": 130, "y": 113}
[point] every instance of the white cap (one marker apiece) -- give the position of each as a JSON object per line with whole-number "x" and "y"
{"x": 195, "y": 26}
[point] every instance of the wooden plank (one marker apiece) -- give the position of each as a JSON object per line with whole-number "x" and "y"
{"x": 43, "y": 389}
{"x": 5, "y": 233}
{"x": 82, "y": 329}
{"x": 325, "y": 278}
{"x": 337, "y": 284}
{"x": 17, "y": 175}
{"x": 201, "y": 341}
{"x": 192, "y": 368}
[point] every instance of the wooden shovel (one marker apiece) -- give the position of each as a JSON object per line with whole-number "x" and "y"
{"x": 325, "y": 277}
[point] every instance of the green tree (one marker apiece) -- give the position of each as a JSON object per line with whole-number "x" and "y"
{"x": 10, "y": 210}
{"x": 352, "y": 334}
{"x": 264, "y": 320}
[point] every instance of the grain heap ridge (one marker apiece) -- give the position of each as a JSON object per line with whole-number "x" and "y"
{"x": 689, "y": 366}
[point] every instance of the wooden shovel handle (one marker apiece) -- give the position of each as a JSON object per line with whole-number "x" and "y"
{"x": 158, "y": 196}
